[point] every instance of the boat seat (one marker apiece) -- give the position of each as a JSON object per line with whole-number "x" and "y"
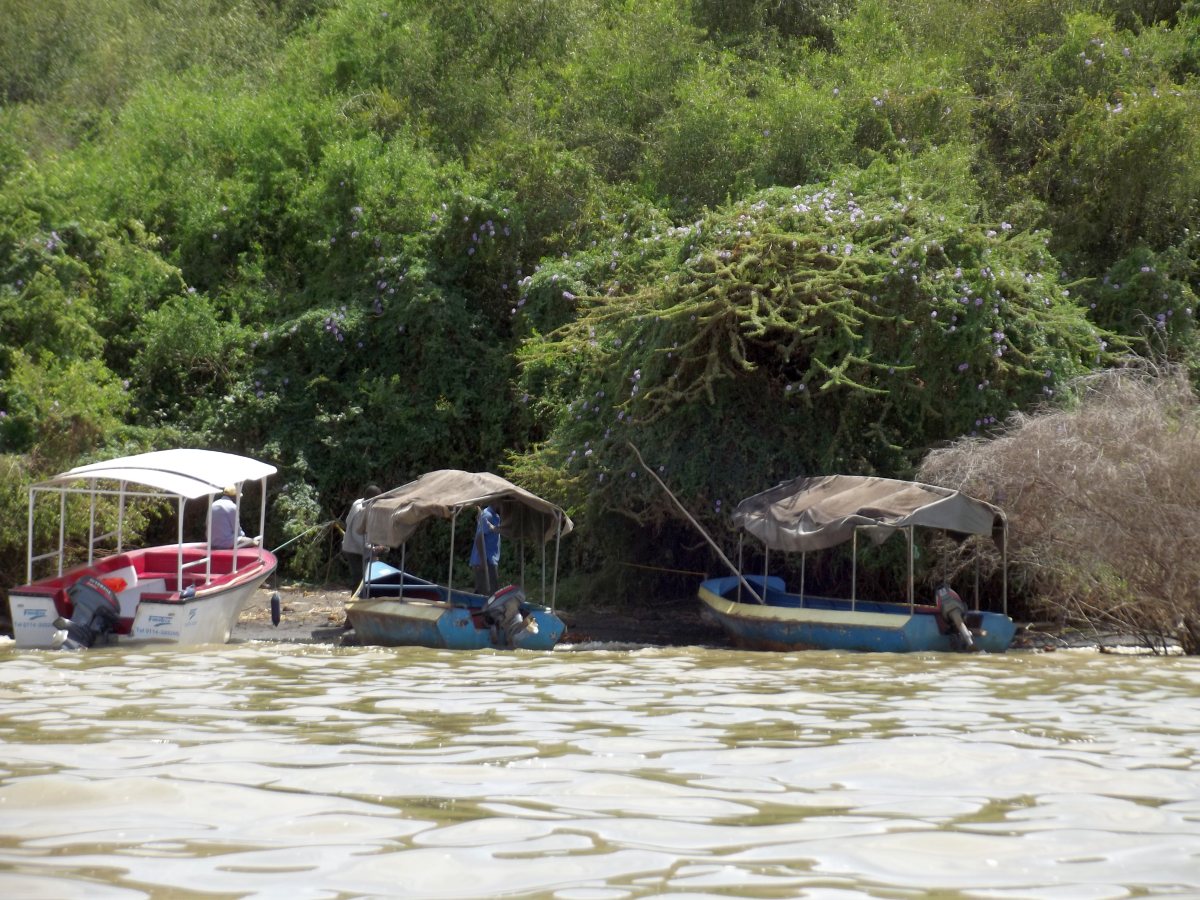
{"x": 131, "y": 596}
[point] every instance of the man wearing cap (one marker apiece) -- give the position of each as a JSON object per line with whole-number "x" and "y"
{"x": 225, "y": 528}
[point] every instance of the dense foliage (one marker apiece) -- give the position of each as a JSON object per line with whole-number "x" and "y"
{"x": 368, "y": 238}
{"x": 837, "y": 328}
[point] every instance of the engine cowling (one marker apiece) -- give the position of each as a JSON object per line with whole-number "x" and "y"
{"x": 502, "y": 612}
{"x": 951, "y": 614}
{"x": 95, "y": 613}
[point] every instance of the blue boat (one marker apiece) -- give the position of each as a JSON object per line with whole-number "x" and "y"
{"x": 395, "y": 608}
{"x": 810, "y": 514}
{"x": 398, "y": 609}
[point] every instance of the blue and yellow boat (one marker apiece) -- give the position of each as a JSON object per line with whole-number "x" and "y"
{"x": 395, "y": 608}
{"x": 812, "y": 514}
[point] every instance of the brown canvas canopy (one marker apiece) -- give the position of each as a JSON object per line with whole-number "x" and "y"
{"x": 392, "y": 517}
{"x": 816, "y": 513}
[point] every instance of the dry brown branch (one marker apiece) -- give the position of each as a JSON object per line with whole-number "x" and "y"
{"x": 1103, "y": 500}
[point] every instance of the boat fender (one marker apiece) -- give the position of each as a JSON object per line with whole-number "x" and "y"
{"x": 951, "y": 613}
{"x": 503, "y": 614}
{"x": 95, "y": 613}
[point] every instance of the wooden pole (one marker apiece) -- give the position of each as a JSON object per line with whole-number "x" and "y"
{"x": 703, "y": 533}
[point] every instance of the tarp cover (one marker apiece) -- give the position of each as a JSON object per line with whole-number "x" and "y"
{"x": 820, "y": 512}
{"x": 392, "y": 517}
{"x": 184, "y": 472}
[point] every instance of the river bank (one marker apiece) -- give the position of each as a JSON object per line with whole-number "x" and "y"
{"x": 317, "y": 614}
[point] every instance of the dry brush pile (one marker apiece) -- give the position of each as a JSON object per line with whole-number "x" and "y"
{"x": 1103, "y": 500}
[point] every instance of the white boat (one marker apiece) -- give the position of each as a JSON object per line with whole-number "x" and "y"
{"x": 184, "y": 593}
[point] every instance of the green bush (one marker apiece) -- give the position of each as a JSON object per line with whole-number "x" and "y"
{"x": 1127, "y": 173}
{"x": 854, "y": 324}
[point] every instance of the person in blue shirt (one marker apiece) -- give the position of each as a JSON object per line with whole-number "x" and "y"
{"x": 485, "y": 552}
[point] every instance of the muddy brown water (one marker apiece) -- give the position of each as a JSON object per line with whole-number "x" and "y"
{"x": 301, "y": 769}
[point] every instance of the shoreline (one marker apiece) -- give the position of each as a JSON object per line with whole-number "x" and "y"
{"x": 312, "y": 614}
{"x": 317, "y": 615}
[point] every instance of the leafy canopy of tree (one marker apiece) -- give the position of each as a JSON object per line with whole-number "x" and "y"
{"x": 368, "y": 238}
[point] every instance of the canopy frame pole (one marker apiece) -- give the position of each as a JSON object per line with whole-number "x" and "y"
{"x": 262, "y": 518}
{"x": 62, "y": 528}
{"x": 911, "y": 595}
{"x": 766, "y": 567}
{"x": 1004, "y": 566}
{"x": 803, "y": 558}
{"x": 237, "y": 527}
{"x": 543, "y": 571}
{"x": 557, "y": 543}
{"x": 29, "y": 555}
{"x": 91, "y": 527}
{"x": 121, "y": 517}
{"x": 854, "y": 570}
{"x": 450, "y": 573}
{"x": 740, "y": 565}
{"x": 179, "y": 543}
{"x": 976, "y": 582}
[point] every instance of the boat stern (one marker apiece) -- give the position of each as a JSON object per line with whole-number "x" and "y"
{"x": 33, "y": 617}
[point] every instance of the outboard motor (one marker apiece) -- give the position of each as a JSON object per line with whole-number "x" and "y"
{"x": 95, "y": 613}
{"x": 951, "y": 613}
{"x": 502, "y": 612}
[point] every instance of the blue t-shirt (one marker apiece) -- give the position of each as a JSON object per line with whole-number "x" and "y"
{"x": 488, "y": 525}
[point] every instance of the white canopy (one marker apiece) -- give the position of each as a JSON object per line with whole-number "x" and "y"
{"x": 820, "y": 512}
{"x": 184, "y": 473}
{"x": 393, "y": 516}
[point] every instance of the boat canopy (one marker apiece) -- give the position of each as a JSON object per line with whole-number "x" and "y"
{"x": 177, "y": 475}
{"x": 392, "y": 517}
{"x": 816, "y": 513}
{"x": 184, "y": 473}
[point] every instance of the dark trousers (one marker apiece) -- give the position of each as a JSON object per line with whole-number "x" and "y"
{"x": 355, "y": 561}
{"x": 487, "y": 579}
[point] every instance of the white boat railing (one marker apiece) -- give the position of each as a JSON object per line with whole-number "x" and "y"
{"x": 93, "y": 490}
